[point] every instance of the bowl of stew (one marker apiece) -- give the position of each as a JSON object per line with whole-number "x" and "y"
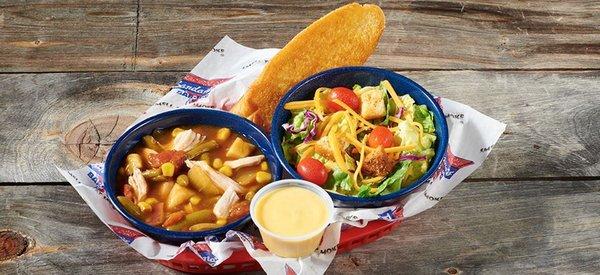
{"x": 188, "y": 173}
{"x": 368, "y": 136}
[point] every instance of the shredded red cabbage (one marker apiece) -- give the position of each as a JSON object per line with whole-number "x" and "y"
{"x": 310, "y": 121}
{"x": 412, "y": 157}
{"x": 400, "y": 112}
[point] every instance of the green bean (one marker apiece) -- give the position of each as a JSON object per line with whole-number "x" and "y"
{"x": 203, "y": 226}
{"x": 151, "y": 173}
{"x": 191, "y": 219}
{"x": 201, "y": 148}
{"x": 130, "y": 206}
{"x": 152, "y": 143}
{"x": 159, "y": 178}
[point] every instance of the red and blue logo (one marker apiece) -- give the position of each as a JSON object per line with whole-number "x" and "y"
{"x": 95, "y": 174}
{"x": 451, "y": 164}
{"x": 203, "y": 251}
{"x": 126, "y": 234}
{"x": 389, "y": 215}
{"x": 194, "y": 87}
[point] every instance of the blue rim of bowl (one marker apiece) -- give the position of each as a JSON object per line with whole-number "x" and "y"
{"x": 442, "y": 144}
{"x": 158, "y": 231}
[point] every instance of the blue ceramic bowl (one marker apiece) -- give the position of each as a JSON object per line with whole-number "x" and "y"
{"x": 364, "y": 76}
{"x": 201, "y": 116}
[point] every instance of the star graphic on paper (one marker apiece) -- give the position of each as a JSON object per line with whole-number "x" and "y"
{"x": 453, "y": 163}
{"x": 450, "y": 165}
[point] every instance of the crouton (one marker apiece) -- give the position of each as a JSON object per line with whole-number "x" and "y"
{"x": 323, "y": 148}
{"x": 372, "y": 104}
{"x": 378, "y": 163}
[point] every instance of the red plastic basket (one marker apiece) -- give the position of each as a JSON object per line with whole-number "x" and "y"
{"x": 240, "y": 260}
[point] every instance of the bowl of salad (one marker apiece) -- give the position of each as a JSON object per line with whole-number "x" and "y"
{"x": 188, "y": 173}
{"x": 368, "y": 136}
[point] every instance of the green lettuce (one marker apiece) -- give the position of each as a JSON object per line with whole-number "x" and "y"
{"x": 339, "y": 180}
{"x": 394, "y": 181}
{"x": 425, "y": 117}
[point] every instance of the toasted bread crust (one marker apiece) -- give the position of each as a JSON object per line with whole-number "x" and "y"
{"x": 346, "y": 36}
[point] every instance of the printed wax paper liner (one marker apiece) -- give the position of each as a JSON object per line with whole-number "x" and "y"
{"x": 218, "y": 81}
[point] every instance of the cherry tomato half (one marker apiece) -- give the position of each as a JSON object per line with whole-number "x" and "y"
{"x": 381, "y": 136}
{"x": 344, "y": 95}
{"x": 312, "y": 170}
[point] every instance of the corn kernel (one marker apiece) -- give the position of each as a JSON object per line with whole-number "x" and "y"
{"x": 263, "y": 177}
{"x": 221, "y": 222}
{"x": 183, "y": 180}
{"x": 249, "y": 195}
{"x": 151, "y": 201}
{"x": 168, "y": 169}
{"x": 217, "y": 163}
{"x": 195, "y": 200}
{"x": 223, "y": 134}
{"x": 226, "y": 170}
{"x": 176, "y": 132}
{"x": 144, "y": 206}
{"x": 264, "y": 166}
{"x": 205, "y": 157}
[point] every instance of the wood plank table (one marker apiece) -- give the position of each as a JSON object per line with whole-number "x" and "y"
{"x": 74, "y": 74}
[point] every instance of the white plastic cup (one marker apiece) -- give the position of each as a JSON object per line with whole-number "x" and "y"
{"x": 298, "y": 246}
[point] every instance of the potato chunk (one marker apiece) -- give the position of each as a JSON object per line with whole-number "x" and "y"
{"x": 178, "y": 196}
{"x": 239, "y": 149}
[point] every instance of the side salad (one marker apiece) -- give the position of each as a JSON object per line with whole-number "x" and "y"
{"x": 364, "y": 142}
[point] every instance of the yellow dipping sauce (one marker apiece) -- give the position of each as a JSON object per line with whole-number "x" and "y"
{"x": 291, "y": 211}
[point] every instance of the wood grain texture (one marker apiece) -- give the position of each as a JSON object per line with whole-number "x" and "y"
{"x": 166, "y": 35}
{"x": 66, "y": 35}
{"x": 58, "y": 118}
{"x": 418, "y": 35}
{"x": 493, "y": 227}
{"x": 68, "y": 119}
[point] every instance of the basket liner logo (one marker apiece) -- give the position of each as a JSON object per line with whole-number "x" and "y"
{"x": 194, "y": 87}
{"x": 389, "y": 215}
{"x": 205, "y": 253}
{"x": 95, "y": 174}
{"x": 450, "y": 165}
{"x": 126, "y": 234}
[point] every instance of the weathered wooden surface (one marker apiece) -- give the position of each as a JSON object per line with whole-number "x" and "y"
{"x": 67, "y": 35}
{"x": 494, "y": 227}
{"x": 550, "y": 115}
{"x": 535, "y": 65}
{"x": 171, "y": 35}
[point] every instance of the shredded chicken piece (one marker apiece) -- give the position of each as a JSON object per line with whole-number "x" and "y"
{"x": 244, "y": 162}
{"x": 138, "y": 184}
{"x": 221, "y": 209}
{"x": 222, "y": 181}
{"x": 186, "y": 140}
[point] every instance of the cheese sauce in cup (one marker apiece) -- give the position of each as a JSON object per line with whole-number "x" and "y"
{"x": 292, "y": 216}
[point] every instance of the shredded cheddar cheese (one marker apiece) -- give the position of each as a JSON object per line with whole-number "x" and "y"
{"x": 359, "y": 117}
{"x": 361, "y": 159}
{"x": 309, "y": 152}
{"x": 295, "y": 105}
{"x": 335, "y": 147}
{"x": 372, "y": 180}
{"x": 386, "y": 84}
